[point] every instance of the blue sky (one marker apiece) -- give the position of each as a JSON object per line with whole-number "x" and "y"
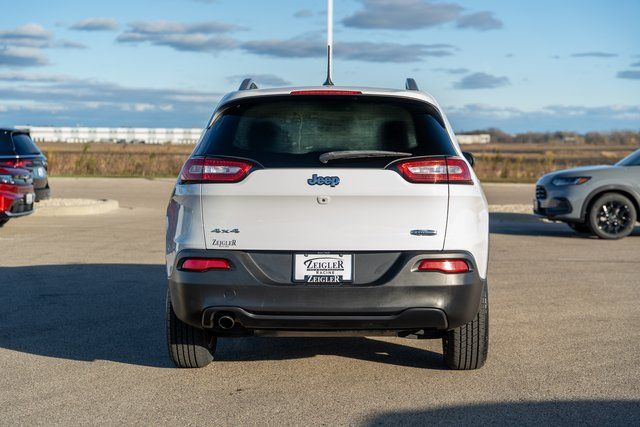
{"x": 517, "y": 65}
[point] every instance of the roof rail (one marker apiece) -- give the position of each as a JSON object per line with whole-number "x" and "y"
{"x": 411, "y": 84}
{"x": 248, "y": 84}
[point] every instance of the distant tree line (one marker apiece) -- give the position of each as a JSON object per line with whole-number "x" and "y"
{"x": 595, "y": 138}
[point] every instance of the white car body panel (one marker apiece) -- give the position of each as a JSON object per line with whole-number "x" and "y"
{"x": 370, "y": 210}
{"x": 276, "y": 209}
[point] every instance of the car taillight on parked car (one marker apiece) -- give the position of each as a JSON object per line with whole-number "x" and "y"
{"x": 448, "y": 266}
{"x": 443, "y": 170}
{"x": 16, "y": 163}
{"x": 206, "y": 170}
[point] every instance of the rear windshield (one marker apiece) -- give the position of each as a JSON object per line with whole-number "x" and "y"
{"x": 16, "y": 144}
{"x": 24, "y": 145}
{"x": 294, "y": 131}
{"x": 6, "y": 147}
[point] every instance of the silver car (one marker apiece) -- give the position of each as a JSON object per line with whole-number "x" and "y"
{"x": 600, "y": 200}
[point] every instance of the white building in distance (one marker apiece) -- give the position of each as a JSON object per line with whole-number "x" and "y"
{"x": 114, "y": 135}
{"x": 480, "y": 138}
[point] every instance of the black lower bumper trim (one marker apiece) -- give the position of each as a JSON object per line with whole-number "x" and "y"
{"x": 385, "y": 293}
{"x": 412, "y": 318}
{"x": 43, "y": 193}
{"x": 556, "y": 206}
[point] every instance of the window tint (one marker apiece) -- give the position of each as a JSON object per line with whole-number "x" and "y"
{"x": 294, "y": 130}
{"x": 6, "y": 148}
{"x": 632, "y": 159}
{"x": 24, "y": 145}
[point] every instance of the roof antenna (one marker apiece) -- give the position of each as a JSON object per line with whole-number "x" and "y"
{"x": 328, "y": 82}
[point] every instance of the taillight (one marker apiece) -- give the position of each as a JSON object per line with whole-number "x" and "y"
{"x": 325, "y": 92}
{"x": 448, "y": 266}
{"x": 458, "y": 171}
{"x": 452, "y": 170}
{"x": 16, "y": 163}
{"x": 203, "y": 170}
{"x": 205, "y": 264}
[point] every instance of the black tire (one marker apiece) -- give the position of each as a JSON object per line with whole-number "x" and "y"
{"x": 580, "y": 227}
{"x": 189, "y": 347}
{"x": 466, "y": 347}
{"x": 3, "y": 222}
{"x": 612, "y": 216}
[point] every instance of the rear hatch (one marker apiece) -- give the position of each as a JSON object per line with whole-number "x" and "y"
{"x": 295, "y": 199}
{"x": 18, "y": 150}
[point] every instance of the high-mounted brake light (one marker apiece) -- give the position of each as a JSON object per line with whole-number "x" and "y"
{"x": 325, "y": 92}
{"x": 447, "y": 266}
{"x": 452, "y": 170}
{"x": 205, "y": 264}
{"x": 203, "y": 170}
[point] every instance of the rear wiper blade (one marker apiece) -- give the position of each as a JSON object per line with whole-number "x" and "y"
{"x": 359, "y": 154}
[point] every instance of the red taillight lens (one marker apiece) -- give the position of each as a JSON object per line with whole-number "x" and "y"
{"x": 458, "y": 171}
{"x": 431, "y": 171}
{"x": 452, "y": 170}
{"x": 325, "y": 92}
{"x": 204, "y": 264}
{"x": 448, "y": 266}
{"x": 16, "y": 163}
{"x": 202, "y": 170}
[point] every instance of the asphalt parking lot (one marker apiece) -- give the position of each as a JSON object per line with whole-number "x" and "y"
{"x": 82, "y": 334}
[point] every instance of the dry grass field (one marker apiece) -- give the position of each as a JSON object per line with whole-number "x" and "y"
{"x": 518, "y": 162}
{"x": 123, "y": 160}
{"x": 506, "y": 162}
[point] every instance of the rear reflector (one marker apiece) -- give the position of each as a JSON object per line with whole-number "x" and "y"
{"x": 452, "y": 170}
{"x": 448, "y": 266}
{"x": 325, "y": 92}
{"x": 201, "y": 264}
{"x": 202, "y": 170}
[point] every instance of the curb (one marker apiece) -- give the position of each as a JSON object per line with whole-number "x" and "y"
{"x": 75, "y": 207}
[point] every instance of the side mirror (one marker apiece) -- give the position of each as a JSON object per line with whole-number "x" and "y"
{"x": 467, "y": 155}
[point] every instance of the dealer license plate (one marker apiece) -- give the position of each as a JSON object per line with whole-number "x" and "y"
{"x": 323, "y": 268}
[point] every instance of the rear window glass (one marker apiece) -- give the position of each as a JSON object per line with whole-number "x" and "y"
{"x": 294, "y": 131}
{"x": 16, "y": 144}
{"x": 6, "y": 148}
{"x": 24, "y": 145}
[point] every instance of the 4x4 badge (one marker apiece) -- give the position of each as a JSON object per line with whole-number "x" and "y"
{"x": 225, "y": 230}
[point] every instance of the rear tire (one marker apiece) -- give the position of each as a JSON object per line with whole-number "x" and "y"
{"x": 580, "y": 227}
{"x": 3, "y": 222}
{"x": 466, "y": 347}
{"x": 612, "y": 216}
{"x": 189, "y": 347}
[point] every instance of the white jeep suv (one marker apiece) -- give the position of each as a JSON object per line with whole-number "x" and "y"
{"x": 327, "y": 210}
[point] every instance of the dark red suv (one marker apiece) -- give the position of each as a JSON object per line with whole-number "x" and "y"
{"x": 16, "y": 193}
{"x": 17, "y": 150}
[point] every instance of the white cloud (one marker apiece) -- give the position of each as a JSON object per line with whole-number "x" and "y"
{"x": 95, "y": 24}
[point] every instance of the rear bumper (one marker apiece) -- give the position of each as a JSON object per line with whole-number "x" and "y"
{"x": 409, "y": 319}
{"x": 13, "y": 205}
{"x": 387, "y": 294}
{"x": 43, "y": 192}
